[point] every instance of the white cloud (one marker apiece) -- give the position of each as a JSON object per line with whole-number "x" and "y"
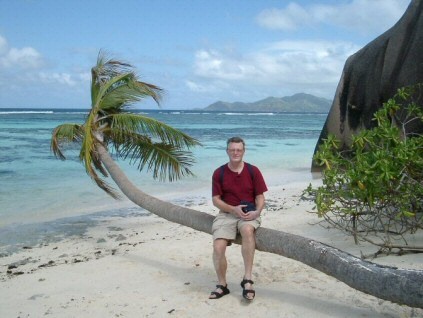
{"x": 24, "y": 58}
{"x": 306, "y": 61}
{"x": 283, "y": 19}
{"x": 201, "y": 86}
{"x": 84, "y": 77}
{"x": 213, "y": 63}
{"x": 60, "y": 78}
{"x": 22, "y": 66}
{"x": 364, "y": 16}
{"x": 295, "y": 65}
{"x": 198, "y": 88}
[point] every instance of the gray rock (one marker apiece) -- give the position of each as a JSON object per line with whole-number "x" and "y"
{"x": 373, "y": 74}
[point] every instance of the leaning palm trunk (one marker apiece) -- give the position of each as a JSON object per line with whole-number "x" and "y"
{"x": 197, "y": 220}
{"x": 401, "y": 286}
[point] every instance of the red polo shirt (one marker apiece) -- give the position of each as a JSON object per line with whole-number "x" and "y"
{"x": 237, "y": 187}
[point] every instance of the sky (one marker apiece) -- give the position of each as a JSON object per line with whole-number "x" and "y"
{"x": 198, "y": 52}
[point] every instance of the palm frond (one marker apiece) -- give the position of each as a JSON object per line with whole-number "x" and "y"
{"x": 104, "y": 185}
{"x": 122, "y": 92}
{"x": 135, "y": 123}
{"x": 166, "y": 161}
{"x": 65, "y": 133}
{"x": 149, "y": 90}
{"x": 92, "y": 163}
{"x": 115, "y": 85}
{"x": 107, "y": 68}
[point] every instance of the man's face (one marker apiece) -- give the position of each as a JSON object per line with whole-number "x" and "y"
{"x": 235, "y": 151}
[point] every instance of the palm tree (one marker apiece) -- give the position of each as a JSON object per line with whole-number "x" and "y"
{"x": 153, "y": 144}
{"x": 161, "y": 149}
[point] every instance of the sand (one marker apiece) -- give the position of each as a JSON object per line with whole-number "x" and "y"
{"x": 144, "y": 266}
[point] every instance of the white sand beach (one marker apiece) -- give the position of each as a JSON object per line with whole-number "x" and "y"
{"x": 149, "y": 267}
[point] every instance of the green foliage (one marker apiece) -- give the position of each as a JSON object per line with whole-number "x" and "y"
{"x": 155, "y": 146}
{"x": 373, "y": 190}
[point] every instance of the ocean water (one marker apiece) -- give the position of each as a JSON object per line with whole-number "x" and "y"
{"x": 35, "y": 187}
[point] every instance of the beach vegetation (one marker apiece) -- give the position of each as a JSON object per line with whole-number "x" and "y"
{"x": 373, "y": 189}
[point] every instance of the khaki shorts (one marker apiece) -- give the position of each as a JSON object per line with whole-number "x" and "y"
{"x": 226, "y": 226}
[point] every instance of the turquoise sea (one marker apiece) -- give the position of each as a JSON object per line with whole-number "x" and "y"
{"x": 37, "y": 188}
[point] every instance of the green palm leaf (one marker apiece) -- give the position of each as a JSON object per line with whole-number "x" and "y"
{"x": 147, "y": 142}
{"x": 65, "y": 133}
{"x": 163, "y": 159}
{"x": 140, "y": 124}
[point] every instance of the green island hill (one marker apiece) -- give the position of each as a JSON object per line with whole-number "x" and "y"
{"x": 298, "y": 103}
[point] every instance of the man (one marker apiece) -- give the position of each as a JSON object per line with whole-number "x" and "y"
{"x": 234, "y": 185}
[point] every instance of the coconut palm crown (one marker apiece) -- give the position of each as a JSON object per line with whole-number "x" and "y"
{"x": 146, "y": 142}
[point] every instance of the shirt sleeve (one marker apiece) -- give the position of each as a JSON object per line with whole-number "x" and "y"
{"x": 216, "y": 186}
{"x": 259, "y": 183}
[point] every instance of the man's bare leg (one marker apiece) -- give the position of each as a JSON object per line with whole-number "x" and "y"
{"x": 220, "y": 263}
{"x": 248, "y": 234}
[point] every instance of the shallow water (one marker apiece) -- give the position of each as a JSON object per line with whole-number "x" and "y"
{"x": 37, "y": 187}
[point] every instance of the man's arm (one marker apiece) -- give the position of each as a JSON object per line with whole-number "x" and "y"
{"x": 223, "y": 206}
{"x": 237, "y": 210}
{"x": 260, "y": 203}
{"x": 252, "y": 215}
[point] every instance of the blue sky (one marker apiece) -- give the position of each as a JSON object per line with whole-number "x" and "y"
{"x": 199, "y": 51}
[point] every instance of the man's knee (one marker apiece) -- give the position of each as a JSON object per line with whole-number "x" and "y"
{"x": 247, "y": 231}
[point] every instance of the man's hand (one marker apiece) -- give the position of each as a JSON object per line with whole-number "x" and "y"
{"x": 237, "y": 211}
{"x": 249, "y": 216}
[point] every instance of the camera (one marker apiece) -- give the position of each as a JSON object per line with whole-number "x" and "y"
{"x": 249, "y": 206}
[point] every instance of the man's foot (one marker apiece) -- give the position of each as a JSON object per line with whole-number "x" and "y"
{"x": 219, "y": 292}
{"x": 247, "y": 291}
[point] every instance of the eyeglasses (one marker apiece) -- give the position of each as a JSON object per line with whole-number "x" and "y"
{"x": 235, "y": 150}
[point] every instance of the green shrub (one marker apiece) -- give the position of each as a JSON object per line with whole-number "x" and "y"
{"x": 373, "y": 190}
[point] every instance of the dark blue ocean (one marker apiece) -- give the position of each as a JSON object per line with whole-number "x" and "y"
{"x": 37, "y": 187}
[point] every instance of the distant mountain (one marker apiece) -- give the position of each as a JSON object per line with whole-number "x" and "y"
{"x": 300, "y": 102}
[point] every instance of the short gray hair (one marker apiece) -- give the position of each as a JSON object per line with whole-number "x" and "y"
{"x": 235, "y": 140}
